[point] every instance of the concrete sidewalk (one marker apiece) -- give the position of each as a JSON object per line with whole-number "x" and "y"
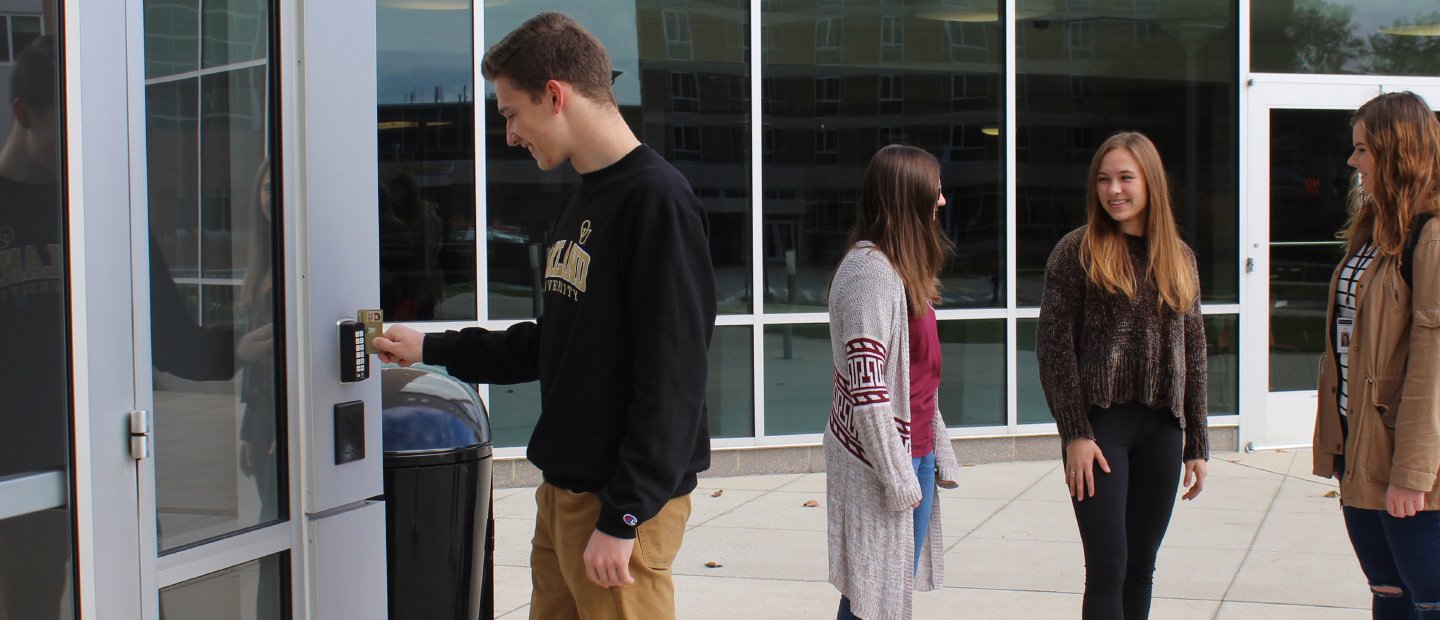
{"x": 1262, "y": 541}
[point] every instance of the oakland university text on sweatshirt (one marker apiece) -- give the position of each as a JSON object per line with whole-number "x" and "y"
{"x": 621, "y": 348}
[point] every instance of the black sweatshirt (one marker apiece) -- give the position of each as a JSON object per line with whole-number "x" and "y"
{"x": 621, "y": 349}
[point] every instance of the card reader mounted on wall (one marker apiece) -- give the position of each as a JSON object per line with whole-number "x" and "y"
{"x": 354, "y": 361}
{"x": 349, "y": 431}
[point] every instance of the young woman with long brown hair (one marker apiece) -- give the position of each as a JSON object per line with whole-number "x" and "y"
{"x": 1121, "y": 349}
{"x": 886, "y": 446}
{"x": 1377, "y": 426}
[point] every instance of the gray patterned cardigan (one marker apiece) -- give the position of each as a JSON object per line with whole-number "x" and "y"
{"x": 870, "y": 482}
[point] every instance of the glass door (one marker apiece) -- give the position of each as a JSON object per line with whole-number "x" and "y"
{"x": 219, "y": 486}
{"x": 37, "y": 556}
{"x": 1298, "y": 183}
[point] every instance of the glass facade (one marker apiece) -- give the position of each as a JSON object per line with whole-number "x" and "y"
{"x": 1362, "y": 37}
{"x": 217, "y": 349}
{"x": 837, "y": 80}
{"x": 250, "y": 591}
{"x": 37, "y": 515}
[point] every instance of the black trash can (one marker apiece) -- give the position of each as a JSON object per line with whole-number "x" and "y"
{"x": 439, "y": 526}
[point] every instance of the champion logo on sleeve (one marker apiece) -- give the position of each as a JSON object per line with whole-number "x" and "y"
{"x": 630, "y": 520}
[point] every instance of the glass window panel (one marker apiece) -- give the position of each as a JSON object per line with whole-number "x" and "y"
{"x": 730, "y": 390}
{"x": 1032, "y": 406}
{"x": 36, "y": 525}
{"x": 1167, "y": 71}
{"x": 24, "y": 29}
{"x": 799, "y": 378}
{"x": 1367, "y": 37}
{"x": 1222, "y": 348}
{"x": 257, "y": 590}
{"x": 426, "y": 132}
{"x": 836, "y": 90}
{"x": 648, "y": 43}
{"x": 235, "y": 31}
{"x": 5, "y": 41}
{"x": 1309, "y": 181}
{"x": 219, "y": 453}
{"x": 972, "y": 381}
{"x": 729, "y": 395}
{"x": 172, "y": 37}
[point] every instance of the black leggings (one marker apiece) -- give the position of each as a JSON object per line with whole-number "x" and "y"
{"x": 1122, "y": 525}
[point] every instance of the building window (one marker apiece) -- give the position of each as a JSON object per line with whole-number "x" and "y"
{"x": 969, "y": 91}
{"x": 892, "y": 94}
{"x": 770, "y": 100}
{"x": 737, "y": 35}
{"x": 892, "y": 38}
{"x": 678, "y": 43}
{"x": 886, "y": 136}
{"x": 967, "y": 143}
{"x": 968, "y": 42}
{"x": 827, "y": 147}
{"x": 827, "y": 96}
{"x": 1080, "y": 40}
{"x": 684, "y": 92}
{"x": 687, "y": 142}
{"x": 827, "y": 40}
{"x": 16, "y": 32}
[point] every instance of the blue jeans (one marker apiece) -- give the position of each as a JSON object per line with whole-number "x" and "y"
{"x": 1398, "y": 553}
{"x": 925, "y": 473}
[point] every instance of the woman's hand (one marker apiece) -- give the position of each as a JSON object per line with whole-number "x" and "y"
{"x": 1081, "y": 457}
{"x": 1195, "y": 472}
{"x": 1401, "y": 502}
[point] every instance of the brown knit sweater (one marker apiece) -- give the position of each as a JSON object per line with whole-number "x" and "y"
{"x": 1102, "y": 349}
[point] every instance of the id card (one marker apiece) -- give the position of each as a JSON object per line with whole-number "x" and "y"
{"x": 1344, "y": 330}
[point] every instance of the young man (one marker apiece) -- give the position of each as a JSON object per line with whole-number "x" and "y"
{"x": 621, "y": 351}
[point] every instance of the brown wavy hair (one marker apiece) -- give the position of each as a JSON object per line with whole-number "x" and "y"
{"x": 1404, "y": 139}
{"x": 897, "y": 214}
{"x": 1102, "y": 251}
{"x": 551, "y": 46}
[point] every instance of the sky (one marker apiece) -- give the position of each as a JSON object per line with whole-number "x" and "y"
{"x": 427, "y": 43}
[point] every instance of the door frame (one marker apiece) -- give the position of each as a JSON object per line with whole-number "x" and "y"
{"x": 118, "y": 566}
{"x": 1275, "y": 420}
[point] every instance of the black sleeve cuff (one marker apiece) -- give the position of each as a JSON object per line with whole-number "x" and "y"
{"x": 616, "y": 523}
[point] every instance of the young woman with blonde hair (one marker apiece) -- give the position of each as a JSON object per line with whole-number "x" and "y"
{"x": 1121, "y": 349}
{"x": 1377, "y": 426}
{"x": 886, "y": 446}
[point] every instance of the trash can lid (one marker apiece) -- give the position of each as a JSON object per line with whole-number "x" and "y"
{"x": 426, "y": 411}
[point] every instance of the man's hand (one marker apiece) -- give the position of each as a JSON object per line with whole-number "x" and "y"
{"x": 607, "y": 560}
{"x": 401, "y": 345}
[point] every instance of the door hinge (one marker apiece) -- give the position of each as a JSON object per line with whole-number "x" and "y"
{"x": 1249, "y": 265}
{"x": 140, "y": 435}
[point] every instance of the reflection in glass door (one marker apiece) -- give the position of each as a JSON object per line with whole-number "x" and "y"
{"x": 216, "y": 346}
{"x": 36, "y": 524}
{"x": 1308, "y": 184}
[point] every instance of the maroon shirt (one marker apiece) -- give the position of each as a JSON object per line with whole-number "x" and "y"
{"x": 924, "y": 381}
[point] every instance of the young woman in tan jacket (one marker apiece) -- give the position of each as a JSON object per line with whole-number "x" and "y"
{"x": 1377, "y": 427}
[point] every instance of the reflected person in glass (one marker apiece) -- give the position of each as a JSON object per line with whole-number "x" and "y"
{"x": 621, "y": 350}
{"x": 1377, "y": 425}
{"x": 886, "y": 445}
{"x": 34, "y": 438}
{"x": 1121, "y": 349}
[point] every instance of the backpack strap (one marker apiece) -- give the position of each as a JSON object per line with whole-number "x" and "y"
{"x": 1407, "y": 259}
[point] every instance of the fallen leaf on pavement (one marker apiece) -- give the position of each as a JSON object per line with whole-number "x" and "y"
{"x": 713, "y": 564}
{"x": 967, "y": 465}
{"x": 1332, "y": 494}
{"x": 811, "y": 504}
{"x": 717, "y": 493}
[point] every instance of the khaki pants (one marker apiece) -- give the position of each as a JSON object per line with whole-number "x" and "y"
{"x": 563, "y": 524}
